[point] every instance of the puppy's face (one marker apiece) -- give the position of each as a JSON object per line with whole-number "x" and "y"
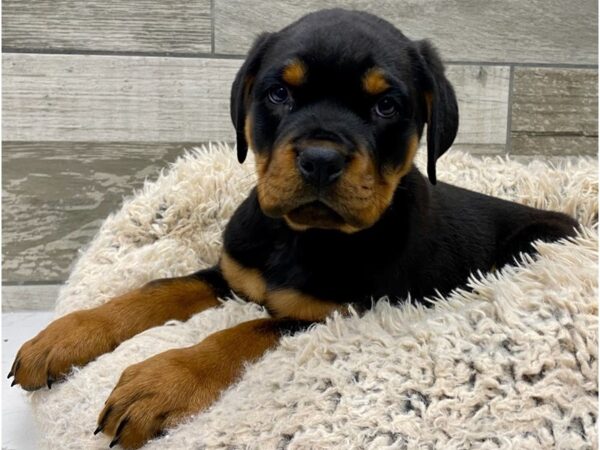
{"x": 333, "y": 107}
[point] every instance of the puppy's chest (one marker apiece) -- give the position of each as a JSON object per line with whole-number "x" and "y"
{"x": 289, "y": 289}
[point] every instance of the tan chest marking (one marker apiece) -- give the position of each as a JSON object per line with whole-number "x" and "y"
{"x": 281, "y": 302}
{"x": 296, "y": 305}
{"x": 248, "y": 282}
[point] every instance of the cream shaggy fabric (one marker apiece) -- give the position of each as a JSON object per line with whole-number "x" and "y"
{"x": 513, "y": 364}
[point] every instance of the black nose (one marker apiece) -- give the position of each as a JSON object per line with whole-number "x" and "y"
{"x": 320, "y": 166}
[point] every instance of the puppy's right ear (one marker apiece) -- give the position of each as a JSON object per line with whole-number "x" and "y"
{"x": 241, "y": 91}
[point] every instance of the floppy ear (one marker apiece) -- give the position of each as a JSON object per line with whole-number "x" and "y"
{"x": 440, "y": 100}
{"x": 241, "y": 89}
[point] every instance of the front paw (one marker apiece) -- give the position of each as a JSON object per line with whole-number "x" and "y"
{"x": 156, "y": 394}
{"x": 72, "y": 340}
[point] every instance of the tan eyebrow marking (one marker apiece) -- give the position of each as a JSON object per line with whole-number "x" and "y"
{"x": 294, "y": 73}
{"x": 374, "y": 81}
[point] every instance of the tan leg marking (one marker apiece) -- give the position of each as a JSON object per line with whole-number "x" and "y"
{"x": 80, "y": 337}
{"x": 296, "y": 305}
{"x": 161, "y": 391}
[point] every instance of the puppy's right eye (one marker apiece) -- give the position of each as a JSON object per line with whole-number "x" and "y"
{"x": 278, "y": 94}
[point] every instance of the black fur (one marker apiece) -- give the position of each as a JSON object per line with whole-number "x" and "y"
{"x": 433, "y": 235}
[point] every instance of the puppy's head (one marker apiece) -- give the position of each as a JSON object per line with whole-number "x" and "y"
{"x": 333, "y": 107}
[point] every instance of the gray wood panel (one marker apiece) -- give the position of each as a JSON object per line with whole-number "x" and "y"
{"x": 37, "y": 297}
{"x": 555, "y": 111}
{"x": 55, "y": 196}
{"x": 116, "y": 99}
{"x": 87, "y": 98}
{"x": 482, "y": 93}
{"x": 111, "y": 25}
{"x": 534, "y": 31}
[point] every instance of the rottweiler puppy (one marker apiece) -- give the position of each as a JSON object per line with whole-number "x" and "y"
{"x": 333, "y": 107}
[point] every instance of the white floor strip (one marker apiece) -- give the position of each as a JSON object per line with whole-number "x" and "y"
{"x": 19, "y": 431}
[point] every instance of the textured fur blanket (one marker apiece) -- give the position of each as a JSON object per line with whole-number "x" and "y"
{"x": 512, "y": 364}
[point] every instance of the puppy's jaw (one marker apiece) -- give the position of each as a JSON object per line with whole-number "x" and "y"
{"x": 354, "y": 202}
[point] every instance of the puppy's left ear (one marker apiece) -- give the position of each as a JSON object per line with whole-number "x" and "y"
{"x": 241, "y": 90}
{"x": 440, "y": 101}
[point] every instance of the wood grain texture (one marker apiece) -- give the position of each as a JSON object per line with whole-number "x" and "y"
{"x": 85, "y": 98}
{"x": 114, "y": 99}
{"x": 555, "y": 111}
{"x": 482, "y": 93}
{"x": 535, "y": 31}
{"x": 55, "y": 195}
{"x": 178, "y": 26}
{"x": 37, "y": 297}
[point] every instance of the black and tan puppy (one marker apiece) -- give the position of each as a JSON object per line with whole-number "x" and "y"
{"x": 333, "y": 107}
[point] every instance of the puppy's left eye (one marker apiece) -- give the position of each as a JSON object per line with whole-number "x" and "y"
{"x": 386, "y": 107}
{"x": 278, "y": 94}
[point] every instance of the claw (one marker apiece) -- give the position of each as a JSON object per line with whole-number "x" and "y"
{"x": 98, "y": 430}
{"x": 49, "y": 382}
{"x": 13, "y": 383}
{"x": 15, "y": 367}
{"x": 120, "y": 427}
{"x": 102, "y": 420}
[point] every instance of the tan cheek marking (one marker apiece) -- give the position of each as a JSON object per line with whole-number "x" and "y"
{"x": 374, "y": 82}
{"x": 390, "y": 179}
{"x": 378, "y": 188}
{"x": 248, "y": 282}
{"x": 411, "y": 151}
{"x": 356, "y": 192}
{"x": 294, "y": 73}
{"x": 296, "y": 305}
{"x": 262, "y": 164}
{"x": 280, "y": 181}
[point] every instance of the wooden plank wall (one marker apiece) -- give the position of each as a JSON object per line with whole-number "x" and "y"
{"x": 97, "y": 96}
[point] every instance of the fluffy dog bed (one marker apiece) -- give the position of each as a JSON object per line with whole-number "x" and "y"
{"x": 511, "y": 364}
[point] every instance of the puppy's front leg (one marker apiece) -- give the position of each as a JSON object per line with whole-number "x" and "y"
{"x": 80, "y": 337}
{"x": 158, "y": 392}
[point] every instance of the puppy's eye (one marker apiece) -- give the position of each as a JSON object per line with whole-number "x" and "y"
{"x": 386, "y": 107}
{"x": 278, "y": 94}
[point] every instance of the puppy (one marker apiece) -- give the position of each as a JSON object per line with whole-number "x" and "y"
{"x": 334, "y": 107}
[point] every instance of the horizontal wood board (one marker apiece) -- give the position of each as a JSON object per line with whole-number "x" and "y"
{"x": 174, "y": 26}
{"x": 501, "y": 31}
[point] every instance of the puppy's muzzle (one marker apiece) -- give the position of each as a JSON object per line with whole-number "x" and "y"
{"x": 320, "y": 166}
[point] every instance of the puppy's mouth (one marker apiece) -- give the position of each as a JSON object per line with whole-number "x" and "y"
{"x": 315, "y": 214}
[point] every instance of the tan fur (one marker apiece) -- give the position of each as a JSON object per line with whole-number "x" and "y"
{"x": 79, "y": 337}
{"x": 247, "y": 282}
{"x": 160, "y": 391}
{"x": 288, "y": 303}
{"x": 294, "y": 304}
{"x": 388, "y": 181}
{"x": 374, "y": 82}
{"x": 429, "y": 104}
{"x": 360, "y": 196}
{"x": 294, "y": 73}
{"x": 366, "y": 191}
{"x": 248, "y": 130}
{"x": 280, "y": 183}
{"x": 411, "y": 152}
